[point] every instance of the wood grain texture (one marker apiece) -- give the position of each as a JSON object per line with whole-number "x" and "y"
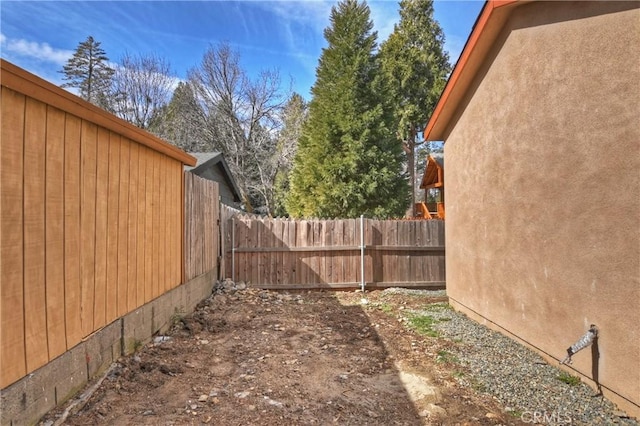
{"x": 102, "y": 207}
{"x": 113, "y": 200}
{"x": 88, "y": 167}
{"x": 12, "y": 346}
{"x": 123, "y": 228}
{"x": 132, "y": 238}
{"x": 80, "y": 205}
{"x": 54, "y": 232}
{"x": 140, "y": 226}
{"x": 72, "y": 199}
{"x": 34, "y": 235}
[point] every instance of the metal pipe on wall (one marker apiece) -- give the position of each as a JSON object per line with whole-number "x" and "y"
{"x": 586, "y": 340}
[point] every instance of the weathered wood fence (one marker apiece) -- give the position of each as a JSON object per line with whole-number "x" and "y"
{"x": 341, "y": 253}
{"x": 201, "y": 225}
{"x": 91, "y": 227}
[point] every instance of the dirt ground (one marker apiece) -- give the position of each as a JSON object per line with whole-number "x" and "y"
{"x": 256, "y": 357}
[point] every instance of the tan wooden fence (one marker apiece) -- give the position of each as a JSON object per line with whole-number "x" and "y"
{"x": 201, "y": 225}
{"x": 341, "y": 253}
{"x": 91, "y": 227}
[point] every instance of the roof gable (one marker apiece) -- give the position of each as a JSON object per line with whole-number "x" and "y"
{"x": 207, "y": 161}
{"x": 433, "y": 172}
{"x": 490, "y": 22}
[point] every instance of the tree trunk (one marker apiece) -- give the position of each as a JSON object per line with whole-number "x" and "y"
{"x": 409, "y": 147}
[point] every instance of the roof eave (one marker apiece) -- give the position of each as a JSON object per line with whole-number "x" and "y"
{"x": 488, "y": 25}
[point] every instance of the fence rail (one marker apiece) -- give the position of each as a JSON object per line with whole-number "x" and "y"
{"x": 341, "y": 253}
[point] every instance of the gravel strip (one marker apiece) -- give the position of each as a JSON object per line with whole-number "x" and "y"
{"x": 518, "y": 377}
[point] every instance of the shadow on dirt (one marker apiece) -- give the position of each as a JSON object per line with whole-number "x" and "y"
{"x": 261, "y": 357}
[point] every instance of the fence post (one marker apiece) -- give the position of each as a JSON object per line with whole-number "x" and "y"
{"x": 233, "y": 249}
{"x": 362, "y": 253}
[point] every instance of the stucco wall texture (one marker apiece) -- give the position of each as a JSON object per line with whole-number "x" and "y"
{"x": 543, "y": 188}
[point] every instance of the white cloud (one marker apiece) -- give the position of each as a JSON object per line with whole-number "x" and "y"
{"x": 41, "y": 51}
{"x": 302, "y": 24}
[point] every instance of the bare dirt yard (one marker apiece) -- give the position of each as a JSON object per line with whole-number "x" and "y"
{"x": 255, "y": 357}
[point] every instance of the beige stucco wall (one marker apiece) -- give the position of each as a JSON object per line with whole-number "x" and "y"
{"x": 543, "y": 188}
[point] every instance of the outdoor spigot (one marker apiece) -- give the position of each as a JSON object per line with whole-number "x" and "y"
{"x": 584, "y": 341}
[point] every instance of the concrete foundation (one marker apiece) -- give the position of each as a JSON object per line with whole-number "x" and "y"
{"x": 26, "y": 401}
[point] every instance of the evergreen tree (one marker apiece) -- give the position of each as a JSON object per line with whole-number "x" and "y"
{"x": 294, "y": 115}
{"x": 348, "y": 162}
{"x": 416, "y": 67}
{"x": 88, "y": 71}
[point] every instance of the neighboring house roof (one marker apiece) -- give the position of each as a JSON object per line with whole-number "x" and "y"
{"x": 433, "y": 172}
{"x": 213, "y": 166}
{"x": 492, "y": 18}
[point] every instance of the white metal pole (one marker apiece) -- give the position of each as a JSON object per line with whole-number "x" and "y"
{"x": 362, "y": 252}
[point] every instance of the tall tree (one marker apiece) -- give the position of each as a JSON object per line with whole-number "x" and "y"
{"x": 88, "y": 71}
{"x": 182, "y": 121}
{"x": 294, "y": 115}
{"x": 241, "y": 119}
{"x": 348, "y": 161}
{"x": 141, "y": 85}
{"x": 416, "y": 67}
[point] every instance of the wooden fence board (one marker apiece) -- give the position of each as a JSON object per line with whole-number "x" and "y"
{"x": 12, "y": 348}
{"x": 102, "y": 207}
{"x": 140, "y": 225}
{"x": 132, "y": 221}
{"x": 266, "y": 229}
{"x": 54, "y": 232}
{"x": 196, "y": 237}
{"x": 318, "y": 259}
{"x": 176, "y": 226}
{"x": 123, "y": 234}
{"x": 172, "y": 220}
{"x": 202, "y": 232}
{"x": 34, "y": 235}
{"x": 161, "y": 229}
{"x": 89, "y": 135}
{"x": 155, "y": 273}
{"x": 113, "y": 199}
{"x": 351, "y": 268}
{"x": 287, "y": 267}
{"x": 301, "y": 241}
{"x": 338, "y": 262}
{"x": 188, "y": 207}
{"x": 148, "y": 232}
{"x": 72, "y": 200}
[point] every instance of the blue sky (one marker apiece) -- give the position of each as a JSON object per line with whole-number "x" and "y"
{"x": 285, "y": 35}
